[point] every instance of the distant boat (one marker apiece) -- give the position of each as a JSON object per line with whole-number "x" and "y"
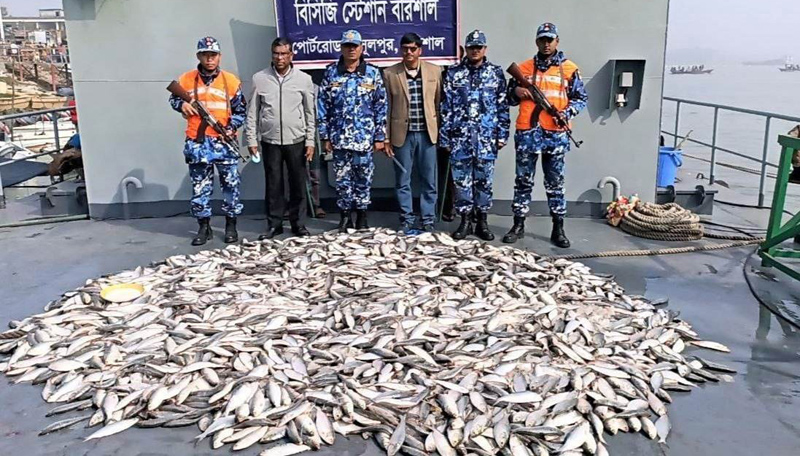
{"x": 691, "y": 69}
{"x": 789, "y": 66}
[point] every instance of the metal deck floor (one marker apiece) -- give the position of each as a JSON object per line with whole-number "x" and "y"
{"x": 758, "y": 413}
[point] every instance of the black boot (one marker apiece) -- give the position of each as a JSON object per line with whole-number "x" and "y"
{"x": 346, "y": 222}
{"x": 231, "y": 235}
{"x": 516, "y": 232}
{"x": 482, "y": 227}
{"x": 557, "y": 237}
{"x": 271, "y": 233}
{"x": 361, "y": 220}
{"x": 300, "y": 230}
{"x": 465, "y": 228}
{"x": 204, "y": 233}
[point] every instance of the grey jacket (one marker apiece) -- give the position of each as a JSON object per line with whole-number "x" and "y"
{"x": 281, "y": 112}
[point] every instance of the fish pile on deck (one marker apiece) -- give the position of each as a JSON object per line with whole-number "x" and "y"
{"x": 425, "y": 344}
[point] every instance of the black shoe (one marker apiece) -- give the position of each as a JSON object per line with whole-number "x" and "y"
{"x": 204, "y": 233}
{"x": 516, "y": 232}
{"x": 794, "y": 177}
{"x": 231, "y": 235}
{"x": 557, "y": 237}
{"x": 428, "y": 228}
{"x": 465, "y": 228}
{"x": 300, "y": 230}
{"x": 271, "y": 233}
{"x": 482, "y": 227}
{"x": 361, "y": 220}
{"x": 346, "y": 222}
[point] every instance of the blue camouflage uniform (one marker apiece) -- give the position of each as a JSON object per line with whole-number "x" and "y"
{"x": 551, "y": 145}
{"x": 475, "y": 119}
{"x": 212, "y": 152}
{"x": 351, "y": 114}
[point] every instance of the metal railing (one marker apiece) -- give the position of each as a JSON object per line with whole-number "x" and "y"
{"x": 55, "y": 119}
{"x": 762, "y": 161}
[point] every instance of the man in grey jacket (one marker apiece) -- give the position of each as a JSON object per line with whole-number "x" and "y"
{"x": 282, "y": 118}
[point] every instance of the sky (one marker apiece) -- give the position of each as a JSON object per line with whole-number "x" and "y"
{"x": 28, "y": 7}
{"x": 730, "y": 29}
{"x": 736, "y": 29}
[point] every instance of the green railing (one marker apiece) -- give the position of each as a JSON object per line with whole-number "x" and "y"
{"x": 715, "y": 148}
{"x": 778, "y": 232}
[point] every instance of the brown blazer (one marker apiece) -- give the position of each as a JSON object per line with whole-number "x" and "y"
{"x": 397, "y": 94}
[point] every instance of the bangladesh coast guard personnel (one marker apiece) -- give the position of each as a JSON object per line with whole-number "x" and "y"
{"x": 540, "y": 134}
{"x": 221, "y": 93}
{"x": 351, "y": 117}
{"x": 475, "y": 123}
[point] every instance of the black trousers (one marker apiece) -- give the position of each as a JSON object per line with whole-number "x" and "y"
{"x": 274, "y": 156}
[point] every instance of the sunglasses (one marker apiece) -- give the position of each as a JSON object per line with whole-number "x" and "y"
{"x": 410, "y": 48}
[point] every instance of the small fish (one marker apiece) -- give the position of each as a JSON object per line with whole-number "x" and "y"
{"x": 63, "y": 424}
{"x": 710, "y": 345}
{"x": 398, "y": 438}
{"x": 287, "y": 449}
{"x": 521, "y": 398}
{"x": 113, "y": 428}
{"x": 663, "y": 426}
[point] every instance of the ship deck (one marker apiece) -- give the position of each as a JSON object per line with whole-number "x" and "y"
{"x": 758, "y": 413}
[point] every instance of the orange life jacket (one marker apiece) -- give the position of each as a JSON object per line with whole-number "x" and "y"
{"x": 554, "y": 83}
{"x": 215, "y": 97}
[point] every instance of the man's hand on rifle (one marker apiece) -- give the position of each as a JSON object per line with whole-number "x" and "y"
{"x": 327, "y": 146}
{"x": 188, "y": 110}
{"x": 523, "y": 94}
{"x": 563, "y": 118}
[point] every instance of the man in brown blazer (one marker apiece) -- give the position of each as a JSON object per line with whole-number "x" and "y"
{"x": 413, "y": 89}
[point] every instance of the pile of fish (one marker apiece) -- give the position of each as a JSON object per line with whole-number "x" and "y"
{"x": 423, "y": 343}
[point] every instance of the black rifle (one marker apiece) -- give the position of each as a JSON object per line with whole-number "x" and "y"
{"x": 541, "y": 101}
{"x": 208, "y": 119}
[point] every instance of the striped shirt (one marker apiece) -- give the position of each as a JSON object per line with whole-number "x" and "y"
{"x": 416, "y": 110}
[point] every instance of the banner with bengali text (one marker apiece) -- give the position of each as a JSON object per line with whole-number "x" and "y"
{"x": 316, "y": 26}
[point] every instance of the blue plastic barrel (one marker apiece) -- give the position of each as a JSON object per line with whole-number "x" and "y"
{"x": 669, "y": 160}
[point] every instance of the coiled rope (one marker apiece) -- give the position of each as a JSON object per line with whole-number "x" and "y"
{"x": 665, "y": 222}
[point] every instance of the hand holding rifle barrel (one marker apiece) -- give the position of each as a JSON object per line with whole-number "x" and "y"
{"x": 539, "y": 98}
{"x": 193, "y": 107}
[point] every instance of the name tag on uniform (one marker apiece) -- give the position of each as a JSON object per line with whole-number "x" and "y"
{"x": 368, "y": 86}
{"x": 336, "y": 84}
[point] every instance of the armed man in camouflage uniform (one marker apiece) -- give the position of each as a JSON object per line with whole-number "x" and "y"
{"x": 475, "y": 122}
{"x": 221, "y": 93}
{"x": 539, "y": 133}
{"x": 351, "y": 117}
